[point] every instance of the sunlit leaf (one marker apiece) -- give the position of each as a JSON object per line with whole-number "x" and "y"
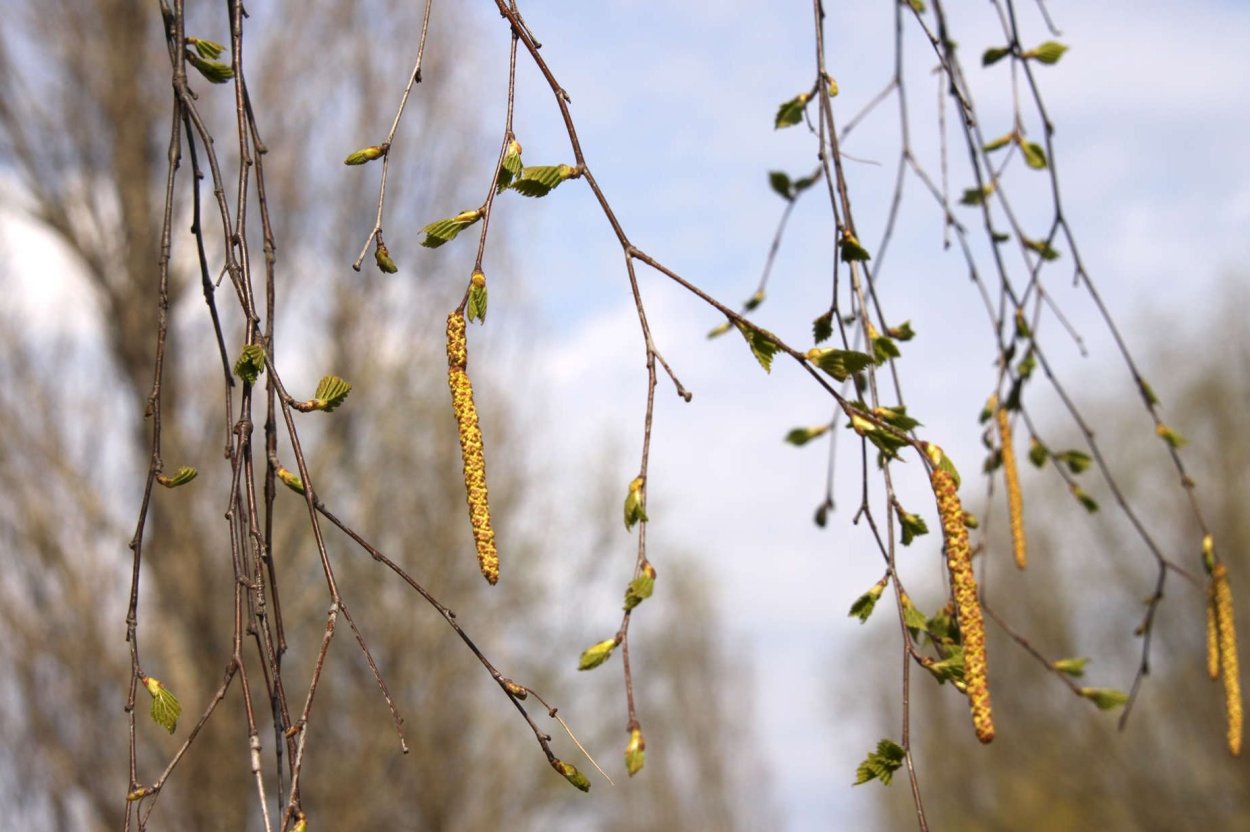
{"x": 596, "y": 654}
{"x": 913, "y": 526}
{"x": 570, "y": 773}
{"x": 1048, "y": 53}
{"x": 165, "y": 707}
{"x": 331, "y": 392}
{"x": 864, "y": 604}
{"x": 841, "y": 364}
{"x": 251, "y": 363}
{"x": 762, "y": 347}
{"x": 1070, "y": 667}
{"x": 790, "y": 112}
{"x": 1105, "y": 698}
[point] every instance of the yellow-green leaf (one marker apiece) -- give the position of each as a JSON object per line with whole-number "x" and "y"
{"x": 570, "y": 773}
{"x": 182, "y": 476}
{"x": 365, "y": 154}
{"x": 331, "y": 391}
{"x": 635, "y": 752}
{"x": 251, "y": 363}
{"x": 596, "y": 654}
{"x": 790, "y": 112}
{"x": 165, "y": 707}
{"x": 1105, "y": 698}
{"x": 1048, "y": 53}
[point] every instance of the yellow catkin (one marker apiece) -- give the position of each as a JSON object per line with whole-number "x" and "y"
{"x": 470, "y": 447}
{"x": 967, "y": 604}
{"x": 1213, "y": 638}
{"x": 1015, "y": 502}
{"x": 1228, "y": 656}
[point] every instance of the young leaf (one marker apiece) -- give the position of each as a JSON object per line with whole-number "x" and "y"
{"x": 864, "y": 604}
{"x": 510, "y": 167}
{"x": 214, "y": 71}
{"x": 852, "y": 251}
{"x": 913, "y": 526}
{"x": 365, "y": 154}
{"x": 841, "y": 364}
{"x": 780, "y": 182}
{"x": 251, "y": 363}
{"x": 801, "y": 436}
{"x": 1034, "y": 156}
{"x": 477, "y": 298}
{"x": 1001, "y": 142}
{"x": 915, "y": 620}
{"x": 822, "y": 327}
{"x": 1077, "y": 461}
{"x": 1070, "y": 667}
{"x": 639, "y": 589}
{"x": 635, "y": 752}
{"x": 291, "y": 480}
{"x": 718, "y": 331}
{"x": 1174, "y": 439}
{"x": 1105, "y": 698}
{"x": 206, "y": 48}
{"x": 880, "y": 764}
{"x": 570, "y": 773}
{"x": 541, "y": 180}
{"x": 382, "y": 256}
{"x": 994, "y": 55}
{"x": 165, "y": 707}
{"x": 596, "y": 654}
{"x": 1037, "y": 452}
{"x": 445, "y": 230}
{"x": 790, "y": 113}
{"x": 1041, "y": 247}
{"x": 902, "y": 332}
{"x": 331, "y": 391}
{"x": 976, "y": 196}
{"x": 761, "y": 346}
{"x": 1048, "y": 53}
{"x": 633, "y": 504}
{"x": 182, "y": 476}
{"x": 883, "y": 349}
{"x": 1084, "y": 499}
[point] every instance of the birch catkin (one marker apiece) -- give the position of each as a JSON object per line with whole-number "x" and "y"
{"x": 1228, "y": 656}
{"x": 1015, "y": 502}
{"x": 470, "y": 446}
{"x": 967, "y": 605}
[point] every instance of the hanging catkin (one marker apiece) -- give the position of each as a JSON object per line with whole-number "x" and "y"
{"x": 470, "y": 446}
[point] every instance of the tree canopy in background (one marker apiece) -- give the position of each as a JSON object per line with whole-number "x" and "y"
{"x": 308, "y": 507}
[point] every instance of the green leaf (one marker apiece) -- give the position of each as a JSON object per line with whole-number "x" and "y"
{"x": 1038, "y": 452}
{"x": 1071, "y": 667}
{"x": 754, "y": 301}
{"x": 1084, "y": 499}
{"x": 881, "y": 764}
{"x": 1148, "y": 392}
{"x": 1048, "y": 53}
{"x": 382, "y": 256}
{"x": 780, "y": 182}
{"x": 994, "y": 55}
{"x": 718, "y": 331}
{"x": 445, "y": 230}
{"x": 364, "y": 155}
{"x": 510, "y": 167}
{"x": 863, "y": 606}
{"x": 1041, "y": 247}
{"x": 761, "y": 346}
{"x": 542, "y": 180}
{"x": 291, "y": 480}
{"x": 896, "y": 417}
{"x": 639, "y": 590}
{"x": 915, "y": 620}
{"x": 633, "y": 504}
{"x": 165, "y": 707}
{"x": 801, "y": 185}
{"x": 635, "y": 752}
{"x": 596, "y": 654}
{"x": 976, "y": 196}
{"x": 841, "y": 364}
{"x": 251, "y": 363}
{"x": 570, "y": 773}
{"x": 913, "y": 526}
{"x": 182, "y": 476}
{"x": 917, "y": 6}
{"x": 214, "y": 71}
{"x": 1027, "y": 365}
{"x": 883, "y": 349}
{"x": 822, "y": 327}
{"x": 331, "y": 391}
{"x": 852, "y": 251}
{"x": 1034, "y": 156}
{"x": 902, "y": 332}
{"x": 1106, "y": 699}
{"x": 477, "y": 298}
{"x": 999, "y": 143}
{"x": 790, "y": 112}
{"x": 1174, "y": 439}
{"x": 801, "y": 436}
{"x": 206, "y": 48}
{"x": 1077, "y": 461}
